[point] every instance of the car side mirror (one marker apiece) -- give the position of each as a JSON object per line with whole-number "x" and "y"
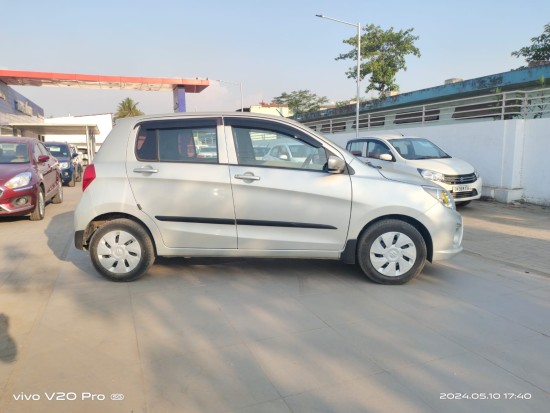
{"x": 283, "y": 157}
{"x": 386, "y": 157}
{"x": 336, "y": 165}
{"x": 43, "y": 158}
{"x": 75, "y": 155}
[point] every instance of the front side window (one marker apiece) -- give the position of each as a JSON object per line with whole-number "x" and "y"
{"x": 177, "y": 143}
{"x": 257, "y": 147}
{"x": 376, "y": 148}
{"x": 356, "y": 148}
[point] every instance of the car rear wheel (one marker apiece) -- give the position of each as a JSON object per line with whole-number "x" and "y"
{"x": 40, "y": 208}
{"x": 121, "y": 250}
{"x": 391, "y": 252}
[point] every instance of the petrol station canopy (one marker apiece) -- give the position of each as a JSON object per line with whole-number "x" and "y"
{"x": 83, "y": 81}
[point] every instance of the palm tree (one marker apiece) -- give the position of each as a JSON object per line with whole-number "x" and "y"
{"x": 127, "y": 108}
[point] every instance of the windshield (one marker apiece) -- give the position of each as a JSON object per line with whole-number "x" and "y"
{"x": 58, "y": 150}
{"x": 418, "y": 148}
{"x": 14, "y": 152}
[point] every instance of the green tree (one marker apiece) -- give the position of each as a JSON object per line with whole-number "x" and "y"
{"x": 382, "y": 56}
{"x": 539, "y": 49}
{"x": 126, "y": 109}
{"x": 301, "y": 101}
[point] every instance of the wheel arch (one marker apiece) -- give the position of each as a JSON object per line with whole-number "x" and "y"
{"x": 100, "y": 220}
{"x": 415, "y": 223}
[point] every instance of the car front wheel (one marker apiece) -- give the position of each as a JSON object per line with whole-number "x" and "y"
{"x": 391, "y": 252}
{"x": 40, "y": 208}
{"x": 121, "y": 250}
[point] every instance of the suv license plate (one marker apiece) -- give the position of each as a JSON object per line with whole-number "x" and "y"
{"x": 462, "y": 188}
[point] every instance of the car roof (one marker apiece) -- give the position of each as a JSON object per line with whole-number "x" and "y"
{"x": 17, "y": 139}
{"x": 383, "y": 135}
{"x": 388, "y": 136}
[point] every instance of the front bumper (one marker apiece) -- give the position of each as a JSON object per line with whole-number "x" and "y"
{"x": 67, "y": 175}
{"x": 465, "y": 192}
{"x": 446, "y": 229}
{"x": 20, "y": 201}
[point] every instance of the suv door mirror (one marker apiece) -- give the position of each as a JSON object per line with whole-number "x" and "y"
{"x": 336, "y": 165}
{"x": 386, "y": 157}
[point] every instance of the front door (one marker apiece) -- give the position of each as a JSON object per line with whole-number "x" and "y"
{"x": 285, "y": 199}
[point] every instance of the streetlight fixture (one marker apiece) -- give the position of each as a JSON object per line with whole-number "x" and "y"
{"x": 240, "y": 84}
{"x": 358, "y": 25}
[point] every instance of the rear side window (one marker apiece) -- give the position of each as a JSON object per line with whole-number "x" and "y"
{"x": 177, "y": 142}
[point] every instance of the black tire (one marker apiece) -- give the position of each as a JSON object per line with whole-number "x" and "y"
{"x": 462, "y": 204}
{"x": 58, "y": 197}
{"x": 391, "y": 252}
{"x": 121, "y": 250}
{"x": 40, "y": 208}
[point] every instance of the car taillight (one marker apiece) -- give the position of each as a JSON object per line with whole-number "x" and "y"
{"x": 89, "y": 176}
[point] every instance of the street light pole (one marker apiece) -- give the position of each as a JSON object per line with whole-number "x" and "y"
{"x": 358, "y": 98}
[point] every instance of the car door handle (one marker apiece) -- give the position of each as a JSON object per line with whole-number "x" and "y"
{"x": 247, "y": 177}
{"x": 146, "y": 170}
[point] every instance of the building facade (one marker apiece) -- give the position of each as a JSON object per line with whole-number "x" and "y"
{"x": 16, "y": 108}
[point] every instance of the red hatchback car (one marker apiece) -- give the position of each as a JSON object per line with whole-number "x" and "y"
{"x": 29, "y": 177}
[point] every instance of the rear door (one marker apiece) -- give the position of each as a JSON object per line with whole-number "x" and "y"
{"x": 281, "y": 204}
{"x": 187, "y": 195}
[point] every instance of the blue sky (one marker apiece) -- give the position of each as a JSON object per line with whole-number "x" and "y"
{"x": 270, "y": 46}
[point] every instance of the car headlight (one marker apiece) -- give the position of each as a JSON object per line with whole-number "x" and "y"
{"x": 19, "y": 181}
{"x": 476, "y": 173}
{"x": 442, "y": 195}
{"x": 431, "y": 175}
{"x": 63, "y": 165}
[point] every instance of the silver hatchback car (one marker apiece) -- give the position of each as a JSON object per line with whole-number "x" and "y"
{"x": 149, "y": 194}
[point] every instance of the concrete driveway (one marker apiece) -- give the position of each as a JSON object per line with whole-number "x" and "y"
{"x": 221, "y": 335}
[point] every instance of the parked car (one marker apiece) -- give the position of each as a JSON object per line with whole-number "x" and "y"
{"x": 77, "y": 162}
{"x": 146, "y": 195}
{"x": 70, "y": 172}
{"x": 419, "y": 156}
{"x": 29, "y": 178}
{"x": 288, "y": 151}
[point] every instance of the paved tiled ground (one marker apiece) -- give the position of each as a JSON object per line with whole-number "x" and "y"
{"x": 221, "y": 335}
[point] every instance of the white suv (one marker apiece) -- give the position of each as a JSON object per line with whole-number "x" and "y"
{"x": 419, "y": 156}
{"x": 148, "y": 194}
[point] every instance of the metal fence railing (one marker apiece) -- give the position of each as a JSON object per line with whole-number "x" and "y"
{"x": 517, "y": 104}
